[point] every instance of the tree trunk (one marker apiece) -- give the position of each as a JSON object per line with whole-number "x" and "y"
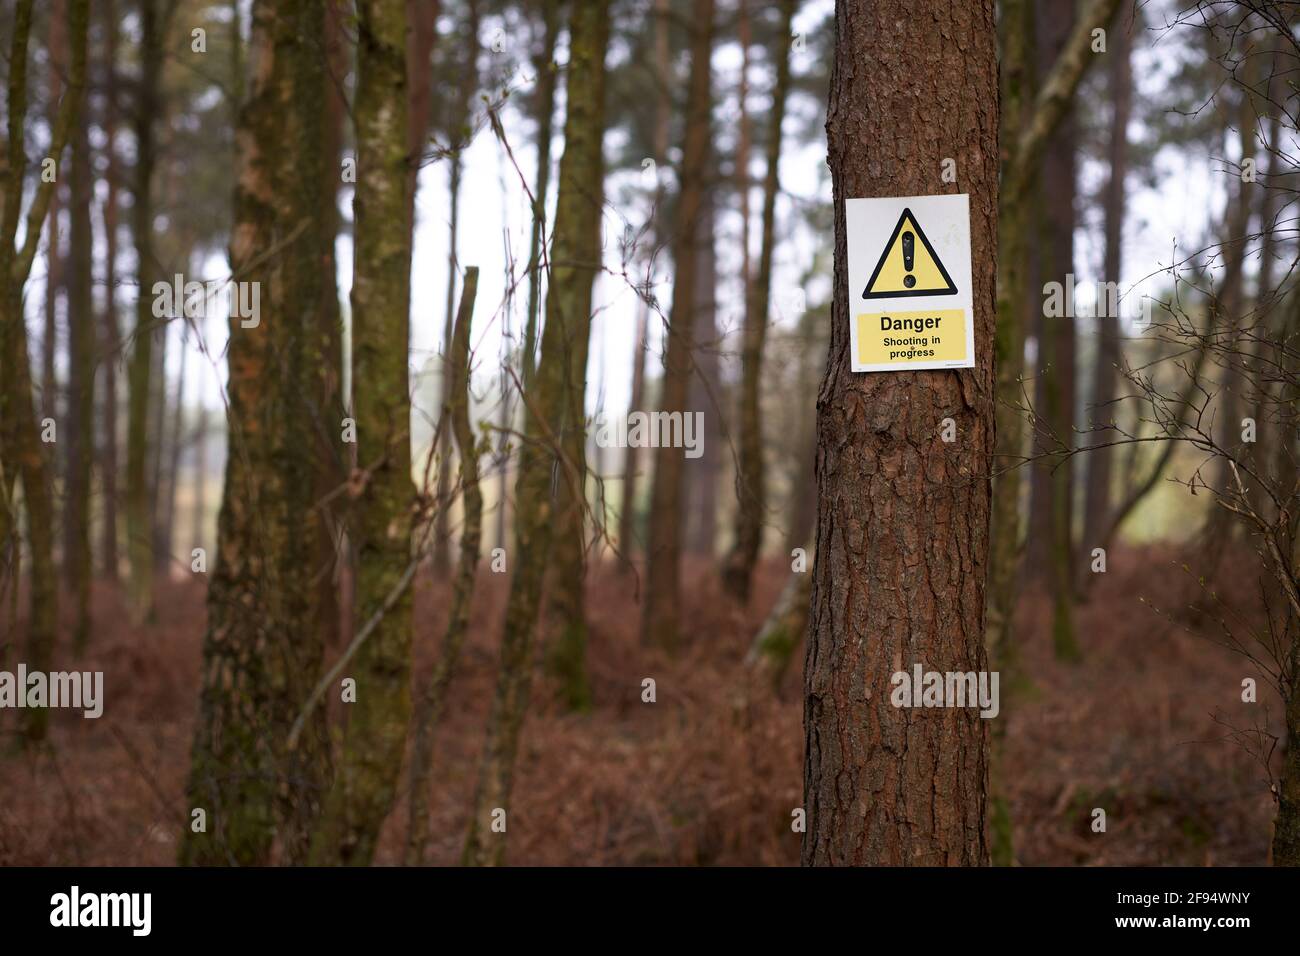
{"x": 1286, "y": 826}
{"x": 704, "y": 394}
{"x": 567, "y": 653}
{"x": 365, "y": 784}
{"x": 20, "y": 432}
{"x": 139, "y": 527}
{"x": 175, "y": 446}
{"x": 544, "y": 459}
{"x": 80, "y": 417}
{"x": 112, "y": 332}
{"x": 663, "y": 550}
{"x": 54, "y": 280}
{"x": 1097, "y": 503}
{"x": 1024, "y": 139}
{"x": 663, "y": 105}
{"x": 460, "y": 119}
{"x": 903, "y": 518}
{"x": 1052, "y": 495}
{"x": 751, "y": 493}
{"x": 544, "y": 116}
{"x": 263, "y": 647}
{"x": 429, "y": 711}
{"x": 783, "y": 630}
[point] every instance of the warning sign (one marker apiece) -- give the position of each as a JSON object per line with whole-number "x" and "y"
{"x": 909, "y": 283}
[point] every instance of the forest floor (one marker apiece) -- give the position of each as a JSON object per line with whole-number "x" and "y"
{"x": 710, "y": 772}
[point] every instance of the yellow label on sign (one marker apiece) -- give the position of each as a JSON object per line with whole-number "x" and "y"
{"x": 933, "y": 335}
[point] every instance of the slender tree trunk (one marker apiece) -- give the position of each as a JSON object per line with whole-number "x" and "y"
{"x": 1024, "y": 139}
{"x": 704, "y": 394}
{"x": 334, "y": 462}
{"x": 199, "y": 509}
{"x": 263, "y": 648}
{"x": 1053, "y": 490}
{"x": 544, "y": 116}
{"x": 432, "y": 705}
{"x": 627, "y": 512}
{"x": 663, "y": 551}
{"x": 567, "y": 650}
{"x": 365, "y": 784}
{"x": 140, "y": 373}
{"x": 902, "y": 543}
{"x": 751, "y": 493}
{"x": 54, "y": 281}
{"x": 20, "y": 432}
{"x": 1097, "y": 501}
{"x": 465, "y": 87}
{"x": 663, "y": 105}
{"x": 112, "y": 332}
{"x": 784, "y": 628}
{"x": 1286, "y": 827}
{"x": 544, "y": 459}
{"x": 175, "y": 446}
{"x": 162, "y": 413}
{"x": 1228, "y": 312}
{"x": 81, "y": 387}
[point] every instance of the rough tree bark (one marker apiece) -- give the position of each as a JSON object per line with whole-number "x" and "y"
{"x": 903, "y": 518}
{"x": 583, "y": 135}
{"x": 663, "y": 550}
{"x": 750, "y": 491}
{"x": 365, "y": 784}
{"x": 544, "y": 458}
{"x": 263, "y": 646}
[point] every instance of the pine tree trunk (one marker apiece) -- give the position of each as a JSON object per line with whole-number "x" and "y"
{"x": 751, "y": 503}
{"x": 660, "y": 623}
{"x": 365, "y": 783}
{"x": 263, "y": 648}
{"x": 903, "y": 518}
{"x": 575, "y": 259}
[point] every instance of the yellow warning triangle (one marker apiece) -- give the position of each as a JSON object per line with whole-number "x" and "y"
{"x": 908, "y": 266}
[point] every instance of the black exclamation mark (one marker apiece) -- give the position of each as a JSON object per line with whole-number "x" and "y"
{"x": 909, "y": 258}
